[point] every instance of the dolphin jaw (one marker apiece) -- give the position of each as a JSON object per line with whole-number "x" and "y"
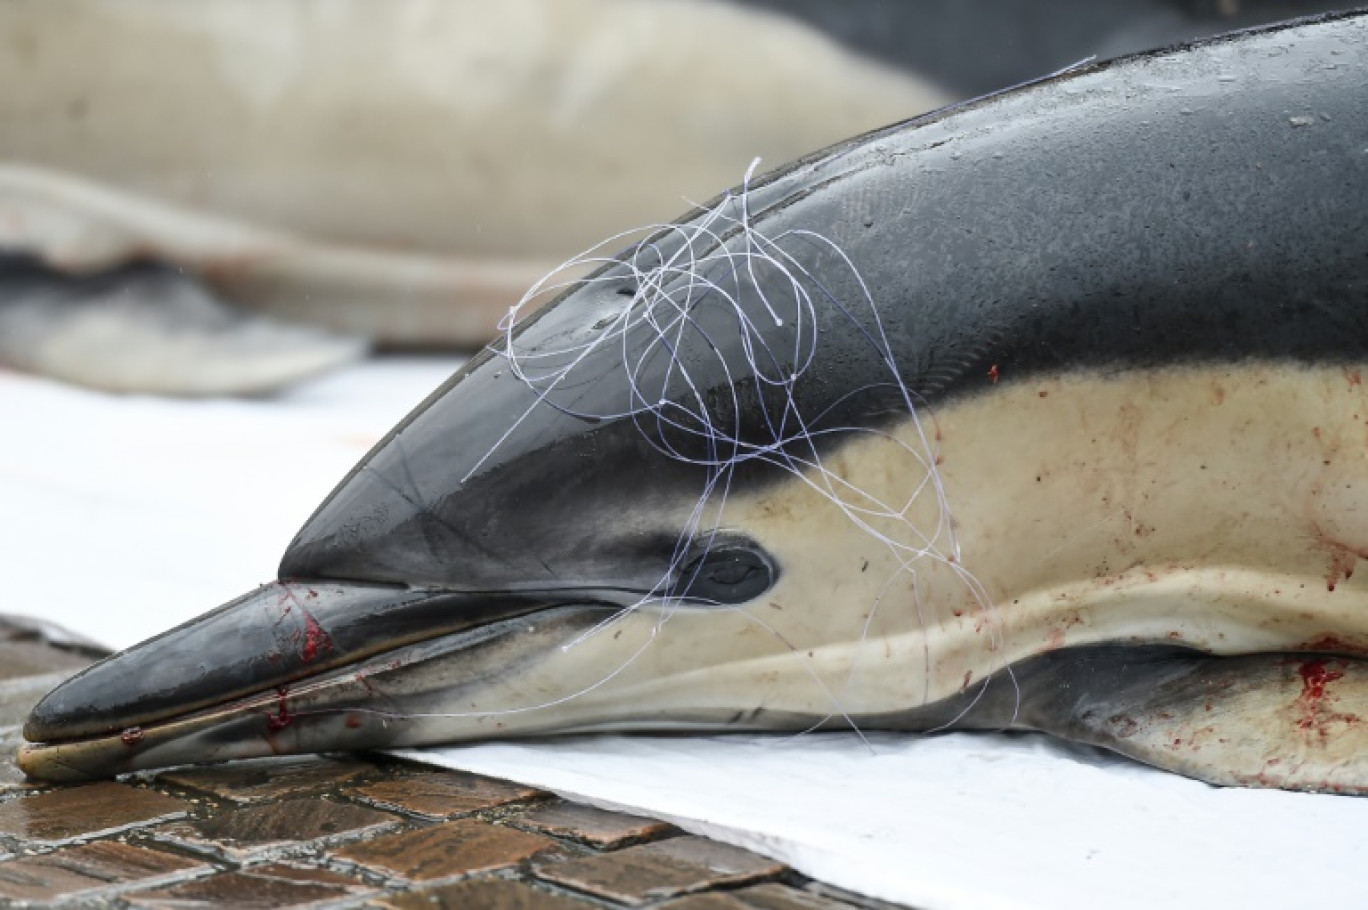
{"x": 565, "y": 669}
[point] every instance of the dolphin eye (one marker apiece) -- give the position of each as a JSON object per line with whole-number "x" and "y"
{"x": 726, "y": 574}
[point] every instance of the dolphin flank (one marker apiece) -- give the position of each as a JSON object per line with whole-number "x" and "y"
{"x": 1045, "y": 412}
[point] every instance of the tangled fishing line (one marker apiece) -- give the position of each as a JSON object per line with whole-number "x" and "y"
{"x": 720, "y": 258}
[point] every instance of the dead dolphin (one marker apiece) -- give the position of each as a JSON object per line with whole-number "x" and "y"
{"x": 398, "y": 171}
{"x": 1042, "y": 412}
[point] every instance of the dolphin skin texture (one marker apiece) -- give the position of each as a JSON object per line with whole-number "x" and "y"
{"x": 1041, "y": 412}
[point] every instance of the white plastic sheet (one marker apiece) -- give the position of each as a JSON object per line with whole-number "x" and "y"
{"x": 124, "y": 516}
{"x": 967, "y": 821}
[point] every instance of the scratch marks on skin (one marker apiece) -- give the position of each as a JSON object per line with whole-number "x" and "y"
{"x": 407, "y": 489}
{"x": 316, "y": 641}
{"x": 310, "y": 642}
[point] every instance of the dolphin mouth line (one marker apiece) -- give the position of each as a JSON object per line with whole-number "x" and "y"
{"x": 104, "y": 755}
{"x": 373, "y": 701}
{"x": 308, "y": 665}
{"x": 258, "y": 655}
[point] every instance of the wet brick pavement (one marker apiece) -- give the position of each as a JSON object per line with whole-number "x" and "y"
{"x": 345, "y": 831}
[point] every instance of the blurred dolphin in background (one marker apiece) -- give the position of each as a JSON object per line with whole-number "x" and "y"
{"x": 399, "y": 171}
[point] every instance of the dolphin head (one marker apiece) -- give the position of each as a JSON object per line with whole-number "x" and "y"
{"x": 615, "y": 518}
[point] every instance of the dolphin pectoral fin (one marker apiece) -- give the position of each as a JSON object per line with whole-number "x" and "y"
{"x": 1292, "y": 721}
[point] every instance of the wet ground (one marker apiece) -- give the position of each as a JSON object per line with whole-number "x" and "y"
{"x": 344, "y": 831}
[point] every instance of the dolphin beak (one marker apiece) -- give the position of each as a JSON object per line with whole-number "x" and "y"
{"x": 290, "y": 667}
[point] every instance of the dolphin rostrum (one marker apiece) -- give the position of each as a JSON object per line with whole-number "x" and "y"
{"x": 1041, "y": 412}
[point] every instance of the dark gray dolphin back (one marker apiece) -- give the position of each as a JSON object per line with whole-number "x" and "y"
{"x": 1204, "y": 204}
{"x": 1201, "y": 204}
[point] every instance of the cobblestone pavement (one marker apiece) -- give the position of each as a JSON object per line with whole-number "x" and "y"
{"x": 344, "y": 831}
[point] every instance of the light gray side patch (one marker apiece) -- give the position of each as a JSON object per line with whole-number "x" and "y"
{"x": 1269, "y": 720}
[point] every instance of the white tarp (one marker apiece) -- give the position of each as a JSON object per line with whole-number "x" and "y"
{"x": 967, "y": 821}
{"x": 124, "y": 516}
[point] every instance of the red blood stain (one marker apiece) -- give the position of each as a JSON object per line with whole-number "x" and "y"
{"x": 1354, "y": 376}
{"x": 132, "y": 736}
{"x": 315, "y": 639}
{"x": 353, "y": 721}
{"x": 1124, "y": 725}
{"x": 993, "y": 374}
{"x": 1341, "y": 568}
{"x": 282, "y": 718}
{"x": 1342, "y": 558}
{"x": 1315, "y": 676}
{"x": 1044, "y": 394}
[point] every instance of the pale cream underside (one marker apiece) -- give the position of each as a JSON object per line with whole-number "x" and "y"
{"x": 1220, "y": 508}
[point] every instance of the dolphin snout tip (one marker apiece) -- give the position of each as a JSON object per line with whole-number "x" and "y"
{"x": 40, "y": 761}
